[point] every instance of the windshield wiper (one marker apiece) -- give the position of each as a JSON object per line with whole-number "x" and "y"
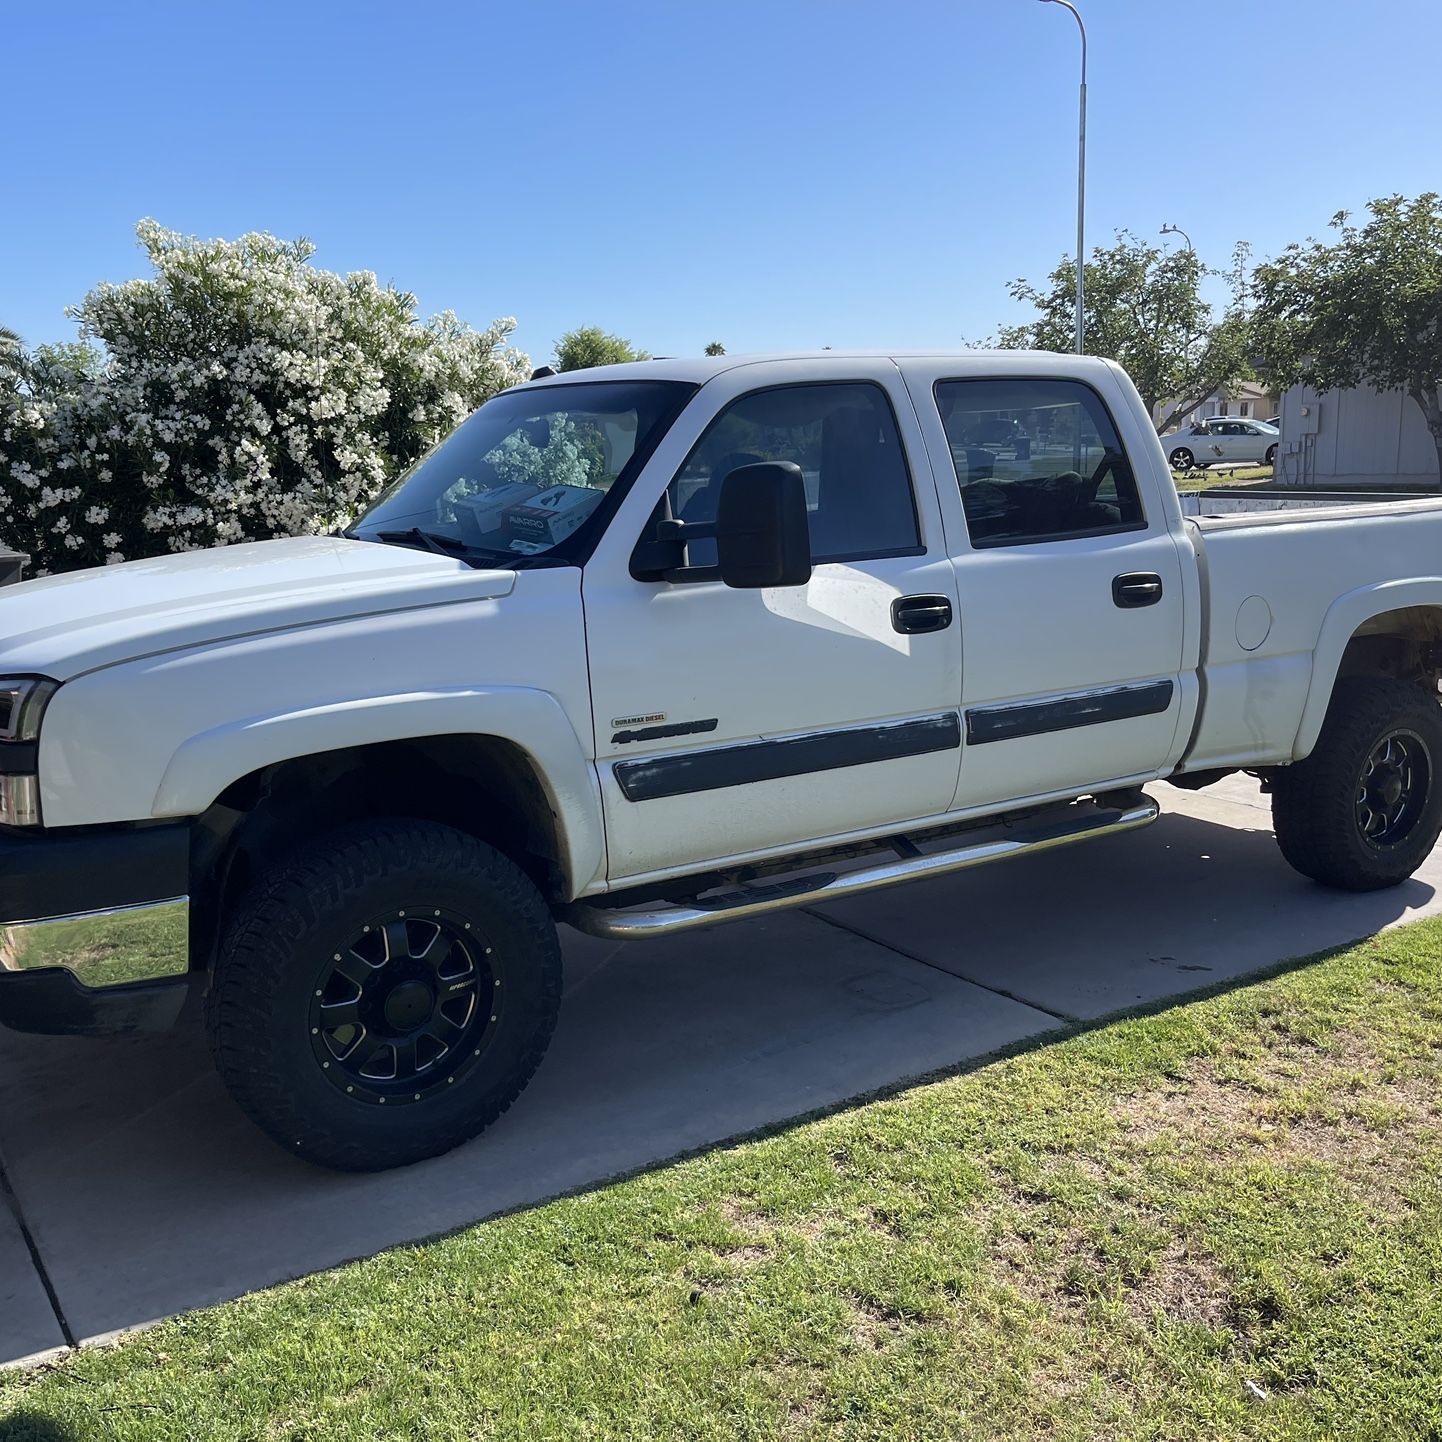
{"x": 441, "y": 545}
{"x": 437, "y": 541}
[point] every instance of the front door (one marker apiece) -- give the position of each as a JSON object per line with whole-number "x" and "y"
{"x": 734, "y": 722}
{"x": 1071, "y": 595}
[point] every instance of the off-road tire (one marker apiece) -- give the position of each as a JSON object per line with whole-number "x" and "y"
{"x": 1315, "y": 803}
{"x": 300, "y": 915}
{"x": 1182, "y": 459}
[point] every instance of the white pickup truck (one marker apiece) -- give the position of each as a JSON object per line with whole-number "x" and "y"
{"x": 653, "y": 647}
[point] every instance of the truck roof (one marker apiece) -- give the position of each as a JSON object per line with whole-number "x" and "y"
{"x": 699, "y": 369}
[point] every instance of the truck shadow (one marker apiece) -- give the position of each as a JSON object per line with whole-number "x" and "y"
{"x": 148, "y": 1193}
{"x": 28, "y": 1426}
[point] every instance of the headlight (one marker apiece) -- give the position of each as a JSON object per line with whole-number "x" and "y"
{"x": 22, "y": 704}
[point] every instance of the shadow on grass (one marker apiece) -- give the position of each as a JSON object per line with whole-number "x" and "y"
{"x": 27, "y": 1426}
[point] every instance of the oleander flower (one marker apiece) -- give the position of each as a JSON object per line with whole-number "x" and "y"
{"x": 236, "y": 394}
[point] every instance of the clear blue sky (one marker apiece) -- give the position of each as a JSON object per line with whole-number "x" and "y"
{"x": 764, "y": 172}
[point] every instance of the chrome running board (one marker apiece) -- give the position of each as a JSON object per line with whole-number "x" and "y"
{"x": 759, "y": 898}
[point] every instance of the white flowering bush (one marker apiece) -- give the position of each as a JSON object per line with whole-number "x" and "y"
{"x": 240, "y": 393}
{"x": 570, "y": 457}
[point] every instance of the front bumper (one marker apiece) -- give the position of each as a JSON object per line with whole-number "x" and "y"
{"x": 94, "y": 928}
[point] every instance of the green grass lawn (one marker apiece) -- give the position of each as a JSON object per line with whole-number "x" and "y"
{"x": 1221, "y": 476}
{"x": 1219, "y": 1221}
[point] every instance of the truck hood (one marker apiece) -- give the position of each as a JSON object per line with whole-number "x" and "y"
{"x": 61, "y": 626}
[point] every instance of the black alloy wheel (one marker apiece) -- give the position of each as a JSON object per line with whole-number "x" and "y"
{"x": 407, "y": 1008}
{"x": 1393, "y": 789}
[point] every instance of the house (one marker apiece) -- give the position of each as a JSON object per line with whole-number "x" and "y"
{"x": 1247, "y": 400}
{"x": 1357, "y": 437}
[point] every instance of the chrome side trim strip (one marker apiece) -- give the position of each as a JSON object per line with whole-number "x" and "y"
{"x": 104, "y": 948}
{"x": 618, "y": 925}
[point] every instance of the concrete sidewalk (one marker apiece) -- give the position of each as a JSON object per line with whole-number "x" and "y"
{"x": 143, "y": 1192}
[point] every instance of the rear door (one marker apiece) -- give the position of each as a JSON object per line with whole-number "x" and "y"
{"x": 1071, "y": 594}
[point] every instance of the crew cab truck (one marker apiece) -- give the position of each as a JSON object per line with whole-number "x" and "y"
{"x": 650, "y": 648}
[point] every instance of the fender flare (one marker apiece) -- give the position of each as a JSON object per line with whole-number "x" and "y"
{"x": 1344, "y": 616}
{"x": 532, "y": 720}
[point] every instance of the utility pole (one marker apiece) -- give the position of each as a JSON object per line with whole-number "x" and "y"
{"x": 1081, "y": 176}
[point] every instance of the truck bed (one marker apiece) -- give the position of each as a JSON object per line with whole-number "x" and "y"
{"x": 1280, "y": 576}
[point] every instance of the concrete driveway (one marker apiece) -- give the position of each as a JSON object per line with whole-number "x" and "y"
{"x": 134, "y": 1189}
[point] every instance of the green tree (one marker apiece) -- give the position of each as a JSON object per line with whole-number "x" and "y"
{"x": 47, "y": 367}
{"x": 715, "y": 348}
{"x": 590, "y": 346}
{"x": 1145, "y": 310}
{"x": 14, "y": 363}
{"x": 1366, "y": 310}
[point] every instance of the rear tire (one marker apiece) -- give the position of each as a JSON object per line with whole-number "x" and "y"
{"x": 384, "y": 994}
{"x": 1271, "y": 456}
{"x": 1364, "y": 810}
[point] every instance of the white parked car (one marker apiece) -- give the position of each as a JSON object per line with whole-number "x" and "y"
{"x": 653, "y": 647}
{"x": 1229, "y": 439}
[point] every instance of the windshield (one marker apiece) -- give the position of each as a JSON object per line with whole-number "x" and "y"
{"x": 534, "y": 472}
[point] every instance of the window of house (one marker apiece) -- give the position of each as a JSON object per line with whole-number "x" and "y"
{"x": 844, "y": 438}
{"x": 1245, "y": 409}
{"x": 1037, "y": 460}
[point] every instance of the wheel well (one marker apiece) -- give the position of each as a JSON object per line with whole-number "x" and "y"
{"x": 483, "y": 785}
{"x": 1404, "y": 644}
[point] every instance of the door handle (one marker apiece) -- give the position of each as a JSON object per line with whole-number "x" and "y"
{"x": 1136, "y": 588}
{"x": 914, "y": 615}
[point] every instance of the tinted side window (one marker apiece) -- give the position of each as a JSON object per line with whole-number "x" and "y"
{"x": 844, "y": 438}
{"x": 1037, "y": 460}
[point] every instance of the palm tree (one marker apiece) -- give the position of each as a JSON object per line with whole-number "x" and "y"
{"x": 14, "y": 363}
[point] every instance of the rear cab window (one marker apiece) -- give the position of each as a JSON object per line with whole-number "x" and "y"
{"x": 1037, "y": 460}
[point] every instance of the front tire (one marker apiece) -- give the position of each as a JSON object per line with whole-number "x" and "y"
{"x": 384, "y": 994}
{"x": 1364, "y": 810}
{"x": 1182, "y": 459}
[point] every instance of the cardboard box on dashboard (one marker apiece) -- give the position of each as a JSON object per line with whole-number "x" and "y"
{"x": 537, "y": 524}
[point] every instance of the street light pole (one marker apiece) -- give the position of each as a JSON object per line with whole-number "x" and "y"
{"x": 1081, "y": 175}
{"x": 1177, "y": 230}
